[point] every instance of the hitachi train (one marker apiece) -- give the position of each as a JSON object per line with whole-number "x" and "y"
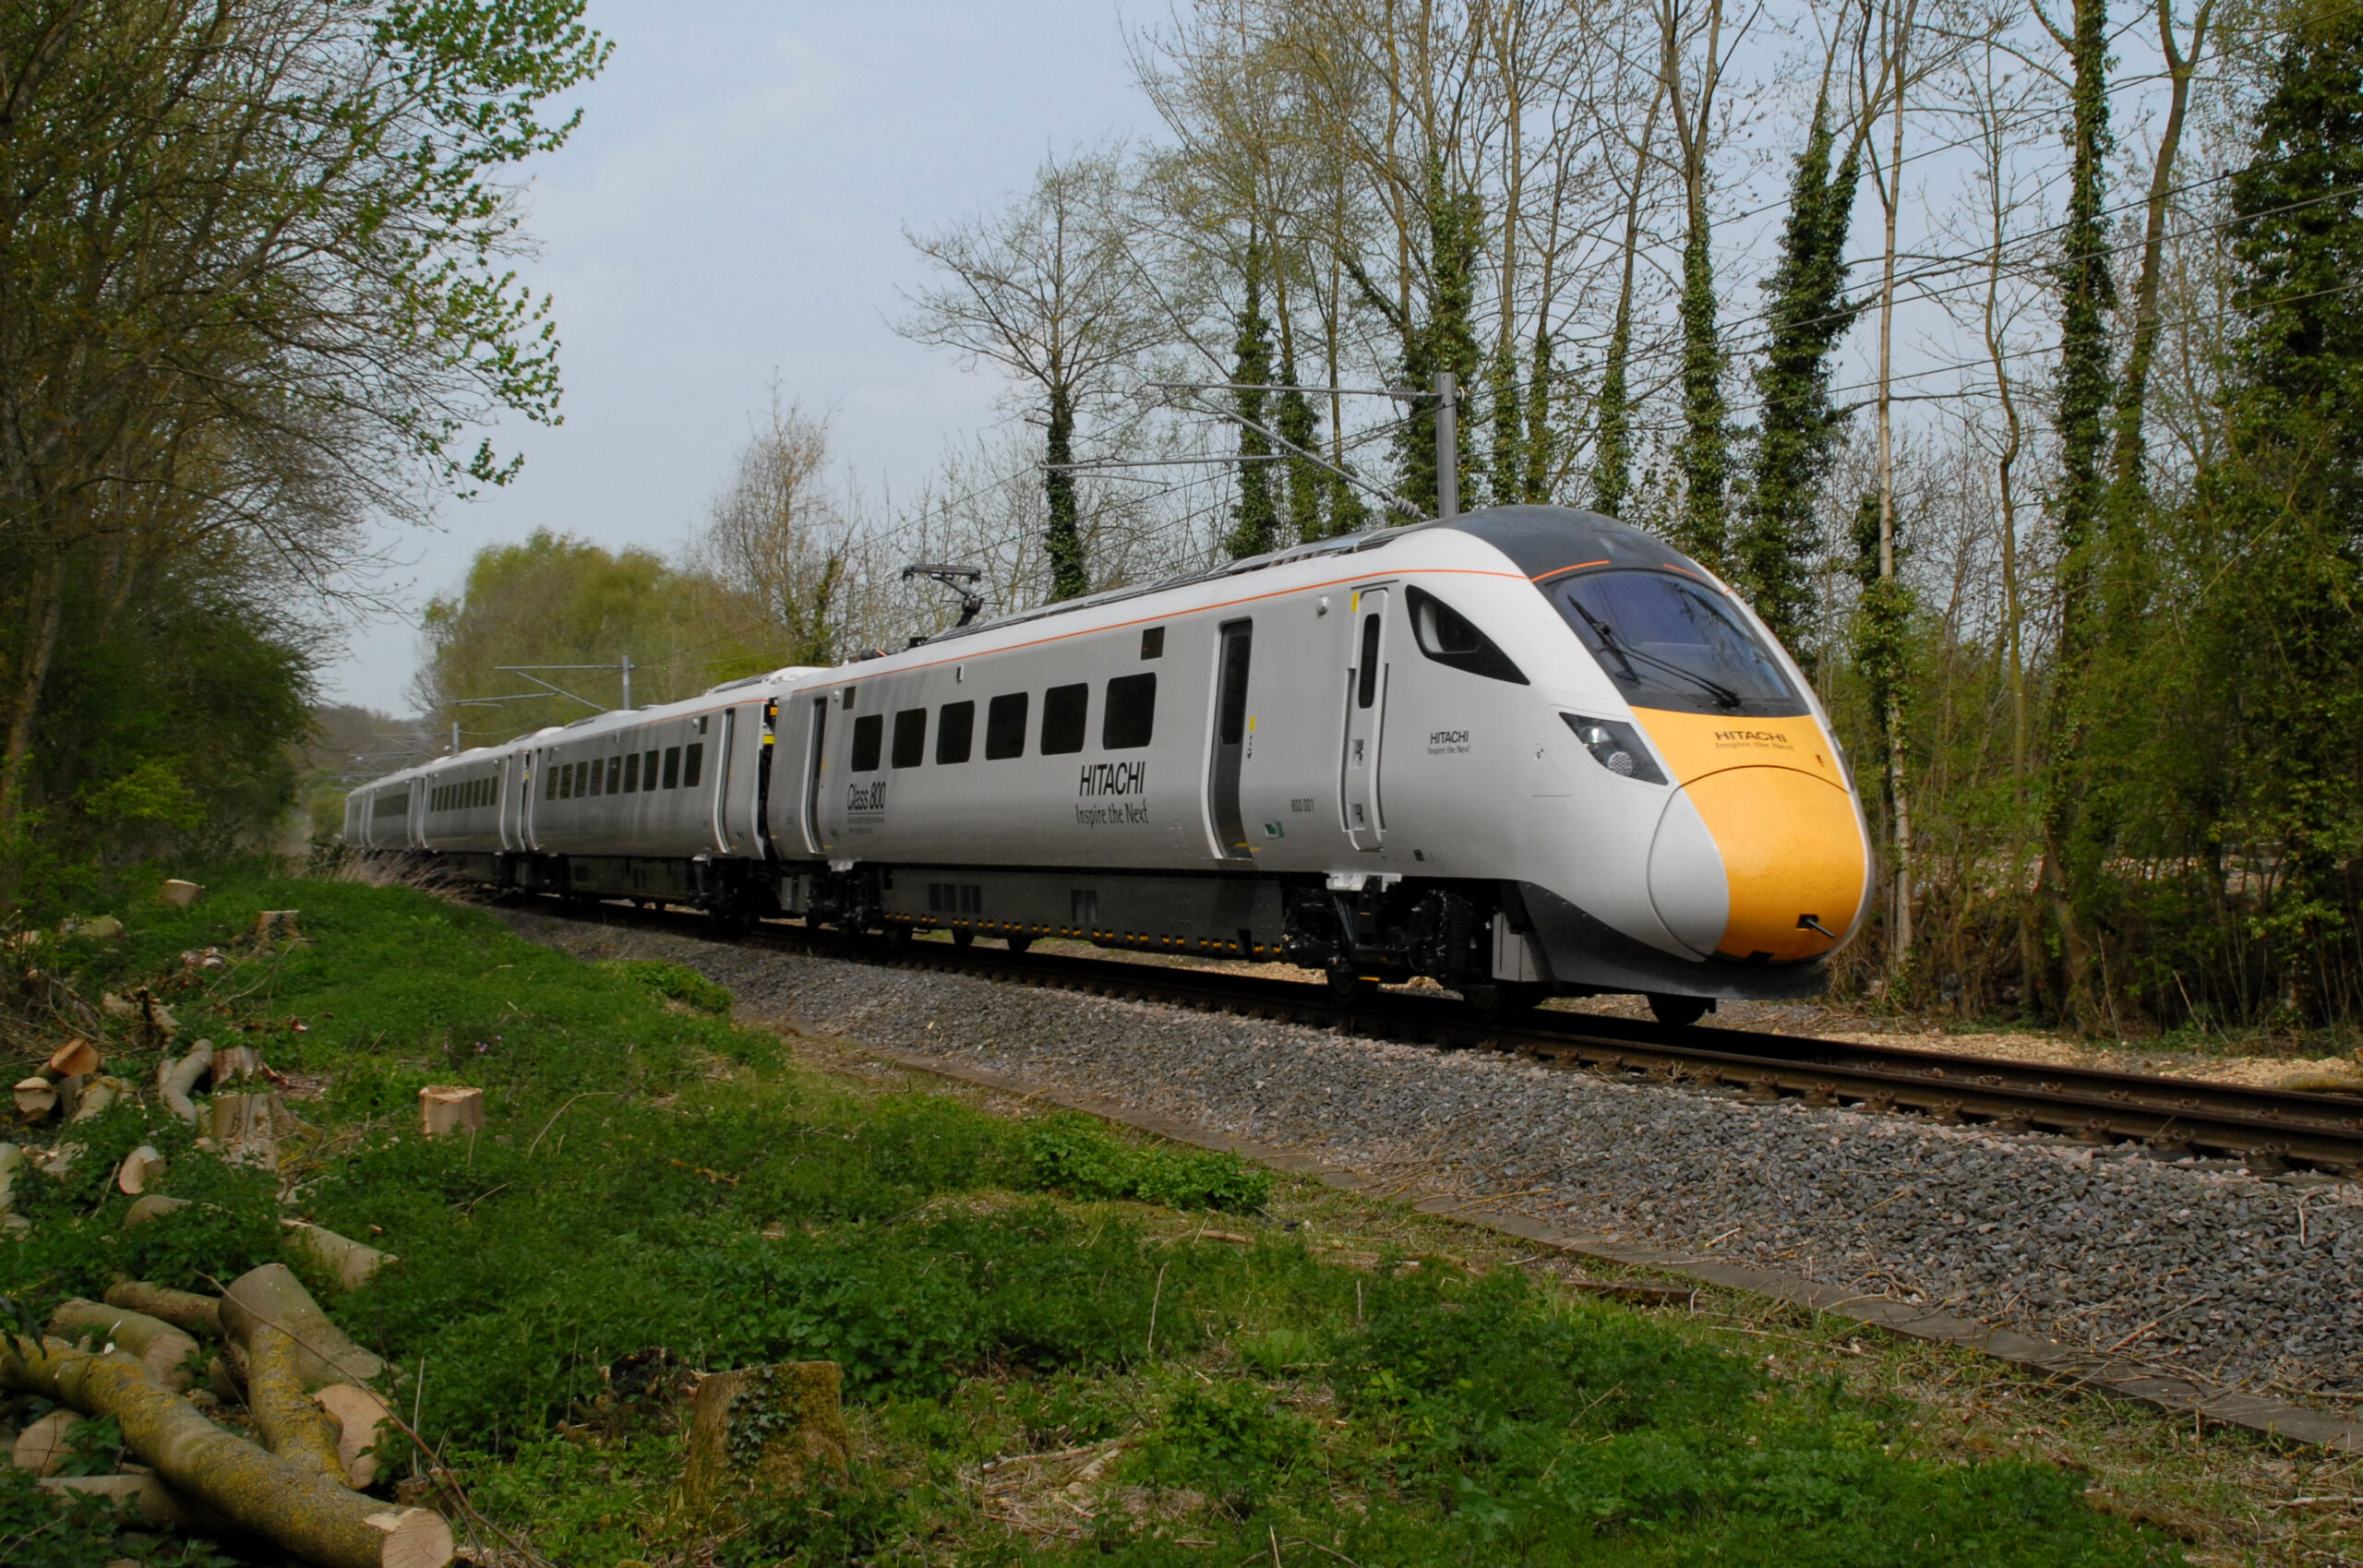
{"x": 1522, "y": 751}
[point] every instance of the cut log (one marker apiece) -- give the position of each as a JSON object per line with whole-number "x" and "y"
{"x": 278, "y": 924}
{"x": 139, "y": 1167}
{"x": 318, "y": 1519}
{"x": 272, "y": 1295}
{"x": 176, "y": 1080}
{"x": 450, "y": 1107}
{"x": 235, "y": 1064}
{"x": 179, "y": 893}
{"x": 285, "y": 1419}
{"x": 114, "y": 1006}
{"x": 162, "y": 1348}
{"x": 185, "y": 1310}
{"x": 350, "y": 1261}
{"x": 76, "y": 1056}
{"x": 246, "y": 1128}
{"x": 61, "y": 1159}
{"x": 98, "y": 1093}
{"x": 36, "y": 1097}
{"x": 42, "y": 1447}
{"x": 143, "y": 1499}
{"x": 765, "y": 1425}
{"x": 364, "y": 1424}
{"x": 104, "y": 927}
{"x": 155, "y": 1205}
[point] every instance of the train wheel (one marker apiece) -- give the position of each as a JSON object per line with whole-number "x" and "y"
{"x": 1679, "y": 1012}
{"x": 1498, "y": 1004}
{"x": 1018, "y": 944}
{"x": 1347, "y": 987}
{"x": 963, "y": 937}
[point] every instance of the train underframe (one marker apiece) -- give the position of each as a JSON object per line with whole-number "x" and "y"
{"x": 1362, "y": 931}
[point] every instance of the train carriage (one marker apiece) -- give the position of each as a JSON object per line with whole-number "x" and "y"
{"x": 1521, "y": 751}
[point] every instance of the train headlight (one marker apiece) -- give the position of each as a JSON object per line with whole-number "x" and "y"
{"x": 1616, "y": 746}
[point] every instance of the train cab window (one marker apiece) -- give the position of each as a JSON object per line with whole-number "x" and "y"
{"x": 672, "y": 766}
{"x": 868, "y": 742}
{"x": 1153, "y": 642}
{"x": 1005, "y": 728}
{"x": 910, "y": 737}
{"x": 615, "y": 774}
{"x": 1065, "y": 711}
{"x": 1130, "y": 717}
{"x": 1446, "y": 635}
{"x": 632, "y": 773}
{"x": 693, "y": 763}
{"x": 956, "y": 732}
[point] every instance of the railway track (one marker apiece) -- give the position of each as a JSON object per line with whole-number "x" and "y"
{"x": 2270, "y": 1131}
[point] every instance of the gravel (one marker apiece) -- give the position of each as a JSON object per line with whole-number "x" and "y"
{"x": 2194, "y": 1265}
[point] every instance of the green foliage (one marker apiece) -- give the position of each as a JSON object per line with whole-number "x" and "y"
{"x": 1255, "y": 520}
{"x": 558, "y": 600}
{"x": 1075, "y": 1155}
{"x": 651, "y": 1178}
{"x": 685, "y": 985}
{"x": 1810, "y": 313}
{"x": 38, "y": 1529}
{"x": 1703, "y": 452}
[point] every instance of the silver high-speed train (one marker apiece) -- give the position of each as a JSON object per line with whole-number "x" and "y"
{"x": 1527, "y": 750}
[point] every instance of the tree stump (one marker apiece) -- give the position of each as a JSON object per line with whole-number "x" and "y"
{"x": 247, "y": 1128}
{"x": 450, "y": 1107}
{"x": 179, "y": 893}
{"x": 765, "y": 1426}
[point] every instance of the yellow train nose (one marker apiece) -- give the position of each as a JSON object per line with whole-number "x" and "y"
{"x": 1757, "y": 863}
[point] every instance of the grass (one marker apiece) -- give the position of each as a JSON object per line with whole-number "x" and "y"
{"x": 1048, "y": 1346}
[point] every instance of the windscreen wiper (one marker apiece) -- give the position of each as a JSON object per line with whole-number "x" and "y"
{"x": 1723, "y": 696}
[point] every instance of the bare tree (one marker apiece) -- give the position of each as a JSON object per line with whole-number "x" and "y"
{"x": 1047, "y": 291}
{"x": 777, "y": 531}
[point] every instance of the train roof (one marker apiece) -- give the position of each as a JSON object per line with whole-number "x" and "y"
{"x": 1542, "y": 542}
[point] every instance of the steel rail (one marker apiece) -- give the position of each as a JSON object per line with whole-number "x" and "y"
{"x": 2269, "y": 1130}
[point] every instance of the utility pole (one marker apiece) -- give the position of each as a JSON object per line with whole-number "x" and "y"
{"x": 626, "y": 682}
{"x": 1448, "y": 445}
{"x": 455, "y": 737}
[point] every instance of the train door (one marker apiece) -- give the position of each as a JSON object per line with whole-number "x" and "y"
{"x": 1230, "y": 740}
{"x": 1365, "y": 820}
{"x": 727, "y": 822}
{"x": 815, "y": 756}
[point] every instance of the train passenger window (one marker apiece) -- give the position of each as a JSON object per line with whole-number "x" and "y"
{"x": 956, "y": 732}
{"x": 910, "y": 737}
{"x": 1445, "y": 635}
{"x": 549, "y": 785}
{"x": 1064, "y": 708}
{"x": 1005, "y": 728}
{"x": 868, "y": 742}
{"x": 581, "y": 779}
{"x": 1153, "y": 642}
{"x": 1369, "y": 691}
{"x": 672, "y": 766}
{"x": 1130, "y": 715}
{"x": 598, "y": 774}
{"x": 632, "y": 773}
{"x": 648, "y": 769}
{"x": 566, "y": 781}
{"x": 615, "y": 774}
{"x": 691, "y": 762}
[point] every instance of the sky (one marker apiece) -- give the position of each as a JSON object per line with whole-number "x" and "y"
{"x": 731, "y": 211}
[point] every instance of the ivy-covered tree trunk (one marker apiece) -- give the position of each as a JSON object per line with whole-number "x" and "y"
{"x": 1703, "y": 453}
{"x": 1253, "y": 519}
{"x": 1299, "y": 425}
{"x": 2073, "y": 844}
{"x": 1508, "y": 459}
{"x": 1541, "y": 440}
{"x": 1070, "y": 578}
{"x": 1772, "y": 555}
{"x": 1612, "y": 470}
{"x": 2286, "y": 510}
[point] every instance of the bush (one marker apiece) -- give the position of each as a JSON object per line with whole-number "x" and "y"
{"x": 673, "y": 981}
